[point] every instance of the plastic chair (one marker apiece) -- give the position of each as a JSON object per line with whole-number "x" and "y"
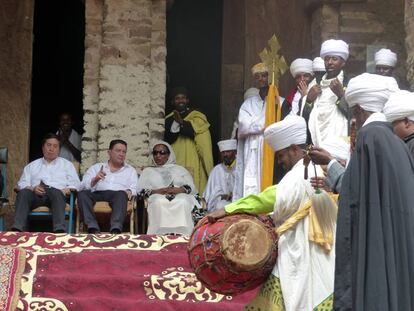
{"x": 3, "y": 196}
{"x": 102, "y": 207}
{"x": 44, "y": 211}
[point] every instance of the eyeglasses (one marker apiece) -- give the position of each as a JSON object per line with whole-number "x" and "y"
{"x": 161, "y": 152}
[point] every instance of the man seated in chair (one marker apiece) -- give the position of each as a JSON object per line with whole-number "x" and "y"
{"x": 114, "y": 182}
{"x": 219, "y": 189}
{"x": 46, "y": 181}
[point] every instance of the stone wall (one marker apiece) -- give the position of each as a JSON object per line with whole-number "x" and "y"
{"x": 247, "y": 26}
{"x": 16, "y": 24}
{"x": 361, "y": 23}
{"x": 409, "y": 41}
{"x": 124, "y": 77}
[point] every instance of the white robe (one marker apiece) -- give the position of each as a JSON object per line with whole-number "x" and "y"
{"x": 249, "y": 147}
{"x": 220, "y": 181}
{"x": 306, "y": 271}
{"x": 75, "y": 139}
{"x": 325, "y": 119}
{"x": 166, "y": 216}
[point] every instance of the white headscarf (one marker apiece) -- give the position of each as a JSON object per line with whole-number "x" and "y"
{"x": 385, "y": 57}
{"x": 334, "y": 47}
{"x": 169, "y": 174}
{"x": 171, "y": 157}
{"x": 400, "y": 105}
{"x": 229, "y": 144}
{"x": 301, "y": 65}
{"x": 370, "y": 91}
{"x": 290, "y": 131}
{"x": 318, "y": 64}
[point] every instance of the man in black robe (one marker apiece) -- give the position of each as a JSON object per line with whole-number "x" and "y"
{"x": 375, "y": 229}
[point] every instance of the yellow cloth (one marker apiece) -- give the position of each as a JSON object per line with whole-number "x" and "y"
{"x": 315, "y": 231}
{"x": 196, "y": 155}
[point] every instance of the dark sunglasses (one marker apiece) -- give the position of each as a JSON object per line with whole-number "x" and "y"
{"x": 161, "y": 152}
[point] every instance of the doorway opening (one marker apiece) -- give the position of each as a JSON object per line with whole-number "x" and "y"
{"x": 57, "y": 74}
{"x": 194, "y": 34}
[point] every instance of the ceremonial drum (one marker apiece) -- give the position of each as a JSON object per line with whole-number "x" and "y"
{"x": 234, "y": 254}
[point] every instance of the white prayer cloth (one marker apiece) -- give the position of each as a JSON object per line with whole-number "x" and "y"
{"x": 59, "y": 173}
{"x": 400, "y": 105}
{"x": 165, "y": 216}
{"x": 306, "y": 270}
{"x": 253, "y": 91}
{"x": 385, "y": 57}
{"x": 295, "y": 104}
{"x": 370, "y": 91}
{"x": 318, "y": 64}
{"x": 75, "y": 139}
{"x": 301, "y": 65}
{"x": 334, "y": 47}
{"x": 289, "y": 131}
{"x": 325, "y": 119}
{"x": 338, "y": 147}
{"x": 220, "y": 181}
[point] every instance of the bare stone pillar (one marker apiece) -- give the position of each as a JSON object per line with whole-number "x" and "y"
{"x": 124, "y": 77}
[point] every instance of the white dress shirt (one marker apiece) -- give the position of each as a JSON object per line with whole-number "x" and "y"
{"x": 59, "y": 174}
{"x": 125, "y": 178}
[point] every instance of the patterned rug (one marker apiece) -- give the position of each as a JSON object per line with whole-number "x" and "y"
{"x": 11, "y": 268}
{"x": 112, "y": 272}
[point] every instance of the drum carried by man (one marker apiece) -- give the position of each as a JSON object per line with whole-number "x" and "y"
{"x": 305, "y": 220}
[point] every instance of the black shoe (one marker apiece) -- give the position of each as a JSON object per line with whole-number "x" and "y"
{"x": 93, "y": 231}
{"x": 15, "y": 229}
{"x": 59, "y": 231}
{"x": 115, "y": 231}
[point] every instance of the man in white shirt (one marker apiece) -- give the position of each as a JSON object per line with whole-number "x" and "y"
{"x": 70, "y": 140}
{"x": 114, "y": 182}
{"x": 219, "y": 189}
{"x": 46, "y": 181}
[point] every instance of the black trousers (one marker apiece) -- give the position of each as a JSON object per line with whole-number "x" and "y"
{"x": 118, "y": 201}
{"x": 27, "y": 200}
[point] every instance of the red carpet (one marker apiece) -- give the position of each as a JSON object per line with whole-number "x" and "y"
{"x": 11, "y": 268}
{"x": 107, "y": 272}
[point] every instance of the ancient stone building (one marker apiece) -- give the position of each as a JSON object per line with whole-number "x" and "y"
{"x": 125, "y": 61}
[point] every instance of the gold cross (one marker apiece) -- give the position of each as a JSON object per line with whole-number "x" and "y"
{"x": 270, "y": 57}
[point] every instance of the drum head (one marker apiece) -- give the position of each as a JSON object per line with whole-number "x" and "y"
{"x": 246, "y": 245}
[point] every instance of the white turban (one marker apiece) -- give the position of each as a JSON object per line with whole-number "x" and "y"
{"x": 318, "y": 64}
{"x": 290, "y": 131}
{"x": 225, "y": 145}
{"x": 370, "y": 91}
{"x": 400, "y": 105}
{"x": 251, "y": 92}
{"x": 385, "y": 57}
{"x": 301, "y": 65}
{"x": 337, "y": 147}
{"x": 334, "y": 47}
